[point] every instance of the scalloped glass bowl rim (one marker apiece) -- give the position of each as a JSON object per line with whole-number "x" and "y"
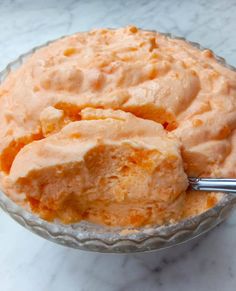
{"x": 88, "y": 236}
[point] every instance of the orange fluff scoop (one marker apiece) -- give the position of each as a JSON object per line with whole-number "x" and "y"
{"x": 106, "y": 125}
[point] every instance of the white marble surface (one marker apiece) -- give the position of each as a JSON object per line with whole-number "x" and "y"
{"x": 28, "y": 262}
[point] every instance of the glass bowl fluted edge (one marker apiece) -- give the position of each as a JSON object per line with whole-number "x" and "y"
{"x": 91, "y": 237}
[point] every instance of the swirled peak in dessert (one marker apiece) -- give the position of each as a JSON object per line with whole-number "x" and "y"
{"x": 106, "y": 125}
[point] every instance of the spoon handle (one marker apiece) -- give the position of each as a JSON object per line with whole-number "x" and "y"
{"x": 213, "y": 184}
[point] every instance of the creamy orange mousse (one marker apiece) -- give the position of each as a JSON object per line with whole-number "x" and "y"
{"x": 106, "y": 125}
{"x": 110, "y": 165}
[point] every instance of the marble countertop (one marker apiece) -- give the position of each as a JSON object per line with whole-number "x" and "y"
{"x": 28, "y": 262}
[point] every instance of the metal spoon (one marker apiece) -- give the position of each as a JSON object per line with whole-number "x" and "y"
{"x": 213, "y": 184}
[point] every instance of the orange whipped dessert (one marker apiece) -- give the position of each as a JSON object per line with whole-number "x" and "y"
{"x": 106, "y": 125}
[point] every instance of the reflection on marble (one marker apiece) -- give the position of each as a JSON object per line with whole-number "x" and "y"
{"x": 31, "y": 263}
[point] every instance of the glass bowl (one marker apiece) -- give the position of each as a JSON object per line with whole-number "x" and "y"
{"x": 91, "y": 237}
